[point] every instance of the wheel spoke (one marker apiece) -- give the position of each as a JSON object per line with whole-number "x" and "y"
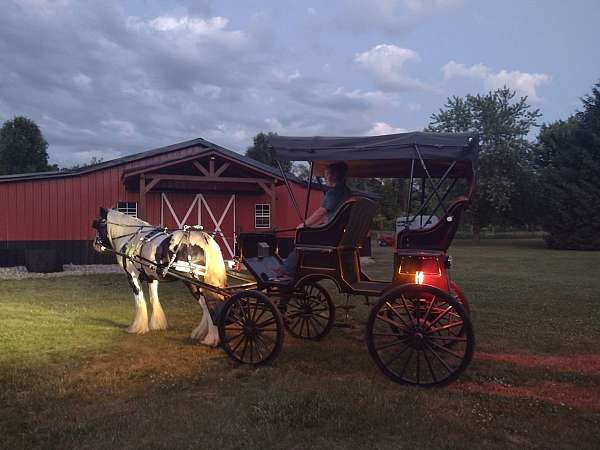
{"x": 412, "y": 351}
{"x": 391, "y": 322}
{"x": 233, "y": 349}
{"x": 448, "y": 338}
{"x": 307, "y": 327}
{"x": 445, "y": 327}
{"x": 318, "y": 326}
{"x": 391, "y": 344}
{"x": 245, "y": 348}
{"x": 262, "y": 312}
{"x": 439, "y": 358}
{"x": 444, "y": 349}
{"x": 397, "y": 355}
{"x": 410, "y": 316}
{"x": 389, "y": 305}
{"x": 429, "y": 309}
{"x": 231, "y": 338}
{"x": 439, "y": 317}
{"x": 431, "y": 371}
{"x": 397, "y": 335}
{"x": 260, "y": 354}
{"x": 267, "y": 322}
{"x": 261, "y": 342}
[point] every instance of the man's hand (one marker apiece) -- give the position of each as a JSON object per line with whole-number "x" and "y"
{"x": 300, "y": 225}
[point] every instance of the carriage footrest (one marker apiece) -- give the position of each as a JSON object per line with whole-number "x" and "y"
{"x": 277, "y": 281}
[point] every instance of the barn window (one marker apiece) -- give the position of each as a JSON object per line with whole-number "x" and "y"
{"x": 262, "y": 215}
{"x": 129, "y": 208}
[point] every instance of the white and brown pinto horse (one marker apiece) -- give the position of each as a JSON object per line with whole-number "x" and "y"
{"x": 192, "y": 251}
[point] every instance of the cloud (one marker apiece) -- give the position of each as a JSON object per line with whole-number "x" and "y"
{"x": 523, "y": 83}
{"x": 107, "y": 79}
{"x": 391, "y": 16}
{"x": 317, "y": 93}
{"x": 384, "y": 128}
{"x": 99, "y": 80}
{"x": 386, "y": 65}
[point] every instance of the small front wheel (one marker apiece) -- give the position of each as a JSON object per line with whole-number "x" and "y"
{"x": 409, "y": 333}
{"x": 310, "y": 312}
{"x": 251, "y": 328}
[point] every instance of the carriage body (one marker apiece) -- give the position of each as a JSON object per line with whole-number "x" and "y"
{"x": 420, "y": 310}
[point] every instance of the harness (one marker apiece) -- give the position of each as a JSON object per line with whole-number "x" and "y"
{"x": 163, "y": 259}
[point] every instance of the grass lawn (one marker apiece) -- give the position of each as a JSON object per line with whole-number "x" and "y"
{"x": 71, "y": 377}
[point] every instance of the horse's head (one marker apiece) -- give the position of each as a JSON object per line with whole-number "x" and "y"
{"x": 101, "y": 227}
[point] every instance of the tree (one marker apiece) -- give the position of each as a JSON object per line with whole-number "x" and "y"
{"x": 504, "y": 169}
{"x": 568, "y": 160}
{"x": 92, "y": 162}
{"x": 261, "y": 151}
{"x": 22, "y": 147}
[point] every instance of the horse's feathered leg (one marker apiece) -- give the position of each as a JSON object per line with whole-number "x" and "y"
{"x": 212, "y": 337}
{"x": 158, "y": 321}
{"x": 140, "y": 322}
{"x": 206, "y": 331}
{"x": 201, "y": 330}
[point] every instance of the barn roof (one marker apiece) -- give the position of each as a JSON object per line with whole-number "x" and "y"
{"x": 145, "y": 155}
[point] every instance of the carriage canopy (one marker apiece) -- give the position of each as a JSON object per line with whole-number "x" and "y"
{"x": 384, "y": 156}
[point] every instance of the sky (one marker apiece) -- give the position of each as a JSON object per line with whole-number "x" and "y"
{"x": 109, "y": 78}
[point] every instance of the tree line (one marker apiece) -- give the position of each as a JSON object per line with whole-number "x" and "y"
{"x": 550, "y": 182}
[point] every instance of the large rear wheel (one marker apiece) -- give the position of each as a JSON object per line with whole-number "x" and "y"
{"x": 251, "y": 328}
{"x": 420, "y": 335}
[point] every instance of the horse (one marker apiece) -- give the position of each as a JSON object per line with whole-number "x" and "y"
{"x": 190, "y": 250}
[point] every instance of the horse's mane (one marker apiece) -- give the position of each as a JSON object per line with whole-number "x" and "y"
{"x": 119, "y": 218}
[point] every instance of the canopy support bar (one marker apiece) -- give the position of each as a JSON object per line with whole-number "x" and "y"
{"x": 443, "y": 198}
{"x": 289, "y": 188}
{"x": 310, "y": 177}
{"x": 410, "y": 189}
{"x": 435, "y": 188}
{"x": 430, "y": 179}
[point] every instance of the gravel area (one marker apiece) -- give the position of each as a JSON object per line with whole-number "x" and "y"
{"x": 20, "y": 272}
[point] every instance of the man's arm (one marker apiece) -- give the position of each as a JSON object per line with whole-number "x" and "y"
{"x": 315, "y": 218}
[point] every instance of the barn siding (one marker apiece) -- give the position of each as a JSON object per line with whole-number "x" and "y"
{"x": 57, "y": 213}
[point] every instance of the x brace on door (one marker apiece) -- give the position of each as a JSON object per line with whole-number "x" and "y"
{"x": 200, "y": 200}
{"x": 217, "y": 223}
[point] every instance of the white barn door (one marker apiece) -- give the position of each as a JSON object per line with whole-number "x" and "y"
{"x": 216, "y": 214}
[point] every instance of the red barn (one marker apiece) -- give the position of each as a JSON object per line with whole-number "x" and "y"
{"x": 194, "y": 182}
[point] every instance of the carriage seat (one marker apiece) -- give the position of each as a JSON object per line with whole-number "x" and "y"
{"x": 436, "y": 237}
{"x": 347, "y": 229}
{"x": 333, "y": 249}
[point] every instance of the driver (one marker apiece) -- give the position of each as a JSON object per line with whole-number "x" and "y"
{"x": 335, "y": 177}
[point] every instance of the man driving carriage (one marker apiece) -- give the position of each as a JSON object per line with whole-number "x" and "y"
{"x": 335, "y": 177}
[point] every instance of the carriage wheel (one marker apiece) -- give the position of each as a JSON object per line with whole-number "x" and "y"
{"x": 310, "y": 312}
{"x": 408, "y": 333}
{"x": 251, "y": 328}
{"x": 460, "y": 296}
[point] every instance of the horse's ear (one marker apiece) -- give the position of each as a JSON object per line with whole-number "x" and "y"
{"x": 103, "y": 212}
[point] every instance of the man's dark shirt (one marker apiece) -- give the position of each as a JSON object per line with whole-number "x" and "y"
{"x": 334, "y": 198}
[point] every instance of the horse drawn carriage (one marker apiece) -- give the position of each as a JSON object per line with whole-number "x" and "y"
{"x": 418, "y": 331}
